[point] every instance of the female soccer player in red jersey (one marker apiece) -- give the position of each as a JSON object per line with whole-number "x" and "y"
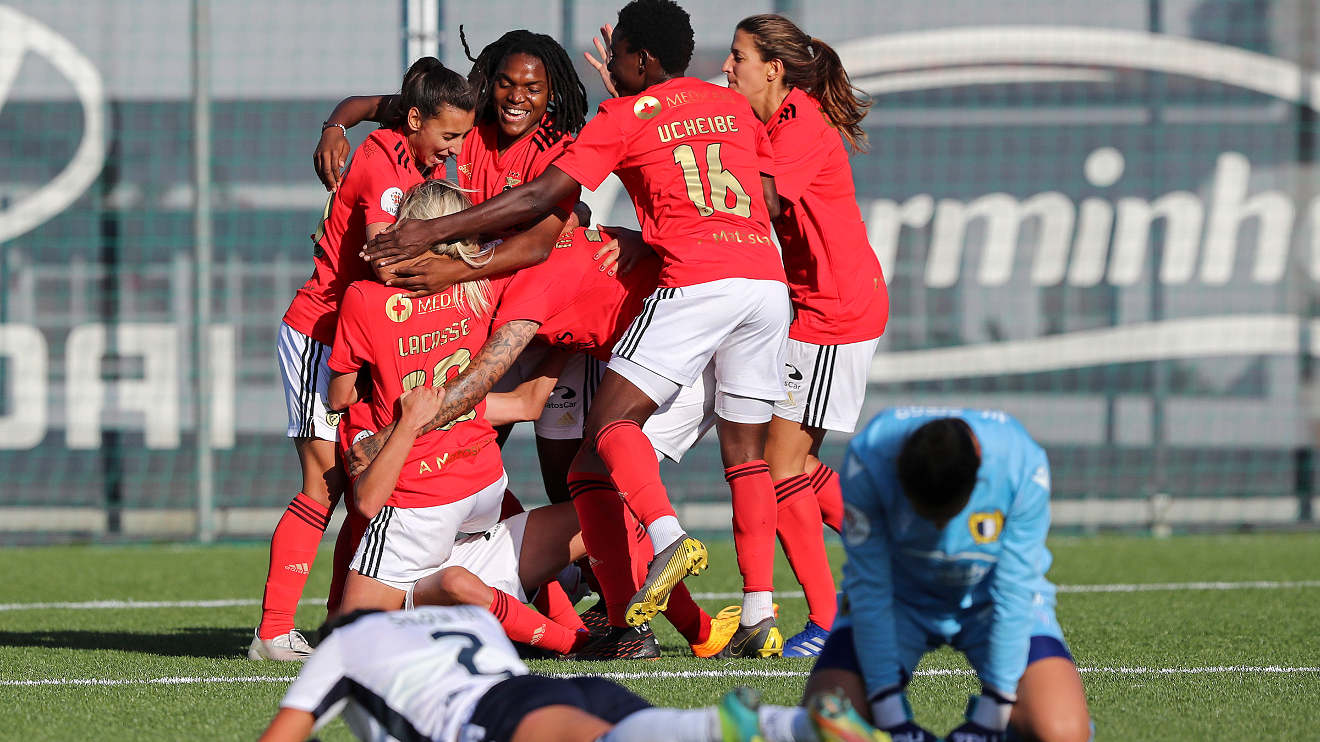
{"x": 697, "y": 164}
{"x": 798, "y": 87}
{"x": 431, "y": 114}
{"x": 425, "y": 488}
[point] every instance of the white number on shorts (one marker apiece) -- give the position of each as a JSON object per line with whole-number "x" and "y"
{"x": 722, "y": 182}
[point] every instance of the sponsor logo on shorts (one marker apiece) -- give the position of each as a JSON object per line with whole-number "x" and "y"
{"x": 986, "y": 527}
{"x": 647, "y": 107}
{"x": 398, "y": 308}
{"x": 390, "y": 200}
{"x": 793, "y": 372}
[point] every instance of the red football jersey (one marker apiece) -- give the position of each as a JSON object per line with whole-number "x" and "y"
{"x": 838, "y": 292}
{"x": 407, "y": 343}
{"x": 483, "y": 170}
{"x": 579, "y": 306}
{"x": 381, "y": 171}
{"x": 691, "y": 155}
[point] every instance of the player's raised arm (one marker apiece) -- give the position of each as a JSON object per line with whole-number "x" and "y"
{"x": 332, "y": 151}
{"x": 515, "y": 206}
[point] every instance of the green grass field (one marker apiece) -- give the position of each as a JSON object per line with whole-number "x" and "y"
{"x": 1177, "y": 662}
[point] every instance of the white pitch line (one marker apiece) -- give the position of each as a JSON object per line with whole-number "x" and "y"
{"x": 1139, "y": 587}
{"x": 682, "y": 674}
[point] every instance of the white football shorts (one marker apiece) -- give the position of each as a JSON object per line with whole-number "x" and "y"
{"x": 566, "y": 409}
{"x": 740, "y": 323}
{"x": 491, "y": 556}
{"x": 826, "y": 384}
{"x": 403, "y": 545}
{"x": 303, "y": 365}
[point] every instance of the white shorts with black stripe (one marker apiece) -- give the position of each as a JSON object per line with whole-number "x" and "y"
{"x": 566, "y": 409}
{"x": 826, "y": 384}
{"x": 303, "y": 365}
{"x": 403, "y": 545}
{"x": 740, "y": 323}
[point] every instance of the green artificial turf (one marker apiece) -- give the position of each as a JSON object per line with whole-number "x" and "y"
{"x": 1134, "y": 647}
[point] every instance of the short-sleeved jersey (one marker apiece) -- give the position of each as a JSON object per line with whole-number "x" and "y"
{"x": 986, "y": 565}
{"x": 408, "y": 343}
{"x": 691, "y": 155}
{"x": 834, "y": 279}
{"x": 381, "y": 171}
{"x": 579, "y": 307}
{"x": 406, "y": 675}
{"x": 486, "y": 172}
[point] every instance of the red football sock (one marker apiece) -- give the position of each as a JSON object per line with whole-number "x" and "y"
{"x": 799, "y": 529}
{"x": 753, "y": 524}
{"x": 686, "y": 616}
{"x": 608, "y": 538}
{"x": 510, "y": 505}
{"x": 553, "y": 602}
{"x": 350, "y": 534}
{"x": 630, "y": 458}
{"x": 292, "y": 553}
{"x": 830, "y": 498}
{"x": 522, "y": 624}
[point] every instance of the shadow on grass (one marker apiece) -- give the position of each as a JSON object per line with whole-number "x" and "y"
{"x": 193, "y": 641}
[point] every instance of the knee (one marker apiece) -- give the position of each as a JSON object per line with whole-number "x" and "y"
{"x": 1060, "y": 728}
{"x": 457, "y": 586}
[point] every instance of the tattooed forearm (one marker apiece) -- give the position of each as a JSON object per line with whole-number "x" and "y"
{"x": 468, "y": 388}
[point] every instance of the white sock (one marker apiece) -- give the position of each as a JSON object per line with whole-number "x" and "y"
{"x": 757, "y": 607}
{"x": 666, "y": 725}
{"x": 664, "y": 531}
{"x": 786, "y": 724}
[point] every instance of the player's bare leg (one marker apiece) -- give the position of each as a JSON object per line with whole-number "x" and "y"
{"x": 613, "y": 432}
{"x": 742, "y": 448}
{"x": 293, "y": 549}
{"x": 556, "y": 457}
{"x": 849, "y": 684}
{"x": 790, "y": 448}
{"x": 1051, "y": 705}
{"x": 551, "y": 541}
{"x": 560, "y": 724}
{"x": 363, "y": 592}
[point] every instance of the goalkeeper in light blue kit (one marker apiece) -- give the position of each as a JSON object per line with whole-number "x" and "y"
{"x": 946, "y": 516}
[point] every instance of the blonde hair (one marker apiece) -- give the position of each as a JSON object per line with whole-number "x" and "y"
{"x": 432, "y": 198}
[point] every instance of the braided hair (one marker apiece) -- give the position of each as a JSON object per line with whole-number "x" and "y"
{"x": 568, "y": 98}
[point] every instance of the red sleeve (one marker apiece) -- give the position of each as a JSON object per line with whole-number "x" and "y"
{"x": 799, "y": 152}
{"x": 531, "y": 294}
{"x": 351, "y": 351}
{"x": 376, "y": 184}
{"x": 599, "y": 149}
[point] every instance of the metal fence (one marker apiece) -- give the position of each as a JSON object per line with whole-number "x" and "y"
{"x": 1102, "y": 218}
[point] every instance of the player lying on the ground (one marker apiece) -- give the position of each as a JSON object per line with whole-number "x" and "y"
{"x": 947, "y": 511}
{"x": 448, "y": 674}
{"x": 424, "y": 126}
{"x": 721, "y": 294}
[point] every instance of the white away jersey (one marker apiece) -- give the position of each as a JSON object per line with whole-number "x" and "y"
{"x": 406, "y": 675}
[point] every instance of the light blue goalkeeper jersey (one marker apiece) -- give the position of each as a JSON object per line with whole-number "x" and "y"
{"x": 971, "y": 584}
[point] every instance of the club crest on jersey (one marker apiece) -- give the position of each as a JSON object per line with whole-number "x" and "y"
{"x": 986, "y": 527}
{"x": 646, "y": 107}
{"x": 390, "y": 200}
{"x": 512, "y": 179}
{"x": 398, "y": 308}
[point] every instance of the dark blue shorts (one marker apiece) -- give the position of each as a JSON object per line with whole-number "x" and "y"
{"x": 504, "y": 706}
{"x": 839, "y": 653}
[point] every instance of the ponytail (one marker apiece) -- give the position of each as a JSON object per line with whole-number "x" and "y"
{"x": 428, "y": 86}
{"x": 814, "y": 66}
